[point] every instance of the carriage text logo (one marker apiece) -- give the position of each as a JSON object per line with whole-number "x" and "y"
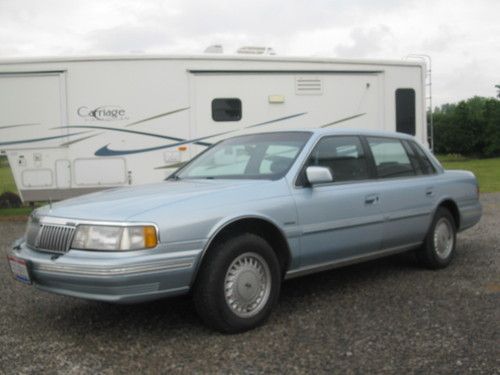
{"x": 102, "y": 113}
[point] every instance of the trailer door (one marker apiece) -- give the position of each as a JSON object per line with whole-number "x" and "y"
{"x": 231, "y": 103}
{"x": 32, "y": 110}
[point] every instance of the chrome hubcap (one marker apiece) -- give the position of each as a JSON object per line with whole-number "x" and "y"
{"x": 443, "y": 238}
{"x": 247, "y": 285}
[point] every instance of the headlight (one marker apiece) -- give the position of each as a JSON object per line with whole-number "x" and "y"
{"x": 103, "y": 237}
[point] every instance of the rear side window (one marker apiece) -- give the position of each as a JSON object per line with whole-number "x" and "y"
{"x": 405, "y": 111}
{"x": 426, "y": 164}
{"x": 344, "y": 156}
{"x": 390, "y": 157}
{"x": 226, "y": 109}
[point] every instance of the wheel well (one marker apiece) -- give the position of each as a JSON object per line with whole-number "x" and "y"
{"x": 452, "y": 207}
{"x": 259, "y": 227}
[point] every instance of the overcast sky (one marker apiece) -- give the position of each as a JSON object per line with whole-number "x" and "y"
{"x": 462, "y": 36}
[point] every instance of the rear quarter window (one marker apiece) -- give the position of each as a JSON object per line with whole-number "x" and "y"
{"x": 427, "y": 166}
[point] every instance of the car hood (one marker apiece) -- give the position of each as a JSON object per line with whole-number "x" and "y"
{"x": 124, "y": 203}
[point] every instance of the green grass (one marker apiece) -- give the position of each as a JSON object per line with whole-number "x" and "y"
{"x": 487, "y": 171}
{"x": 21, "y": 211}
{"x": 6, "y": 179}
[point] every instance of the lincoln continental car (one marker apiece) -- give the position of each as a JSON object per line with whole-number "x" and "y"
{"x": 247, "y": 213}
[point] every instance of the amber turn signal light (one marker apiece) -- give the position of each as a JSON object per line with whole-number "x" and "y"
{"x": 150, "y": 238}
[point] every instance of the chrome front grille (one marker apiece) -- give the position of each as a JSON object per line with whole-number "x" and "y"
{"x": 47, "y": 237}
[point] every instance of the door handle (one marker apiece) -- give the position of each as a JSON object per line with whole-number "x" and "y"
{"x": 371, "y": 199}
{"x": 429, "y": 192}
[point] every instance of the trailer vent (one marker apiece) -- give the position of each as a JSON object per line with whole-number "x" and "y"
{"x": 308, "y": 86}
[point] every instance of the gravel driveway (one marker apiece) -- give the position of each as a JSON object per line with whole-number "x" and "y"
{"x": 385, "y": 316}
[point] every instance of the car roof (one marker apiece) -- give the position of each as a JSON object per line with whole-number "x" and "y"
{"x": 372, "y": 132}
{"x": 346, "y": 131}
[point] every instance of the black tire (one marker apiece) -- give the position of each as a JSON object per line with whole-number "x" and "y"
{"x": 428, "y": 254}
{"x": 209, "y": 293}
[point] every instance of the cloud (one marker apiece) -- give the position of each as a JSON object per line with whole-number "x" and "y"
{"x": 459, "y": 35}
{"x": 366, "y": 42}
{"x": 445, "y": 38}
{"x": 124, "y": 38}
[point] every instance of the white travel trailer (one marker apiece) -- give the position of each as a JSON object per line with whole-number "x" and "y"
{"x": 76, "y": 125}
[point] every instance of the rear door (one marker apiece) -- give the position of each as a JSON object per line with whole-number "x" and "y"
{"x": 406, "y": 194}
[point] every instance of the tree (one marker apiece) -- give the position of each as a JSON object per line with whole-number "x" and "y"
{"x": 471, "y": 127}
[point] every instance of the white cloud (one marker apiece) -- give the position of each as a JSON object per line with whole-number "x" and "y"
{"x": 366, "y": 42}
{"x": 463, "y": 37}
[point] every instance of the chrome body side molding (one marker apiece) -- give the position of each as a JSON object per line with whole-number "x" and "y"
{"x": 301, "y": 271}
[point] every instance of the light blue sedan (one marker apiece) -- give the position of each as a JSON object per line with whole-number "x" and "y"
{"x": 247, "y": 213}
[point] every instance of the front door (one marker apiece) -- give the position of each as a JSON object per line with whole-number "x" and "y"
{"x": 342, "y": 219}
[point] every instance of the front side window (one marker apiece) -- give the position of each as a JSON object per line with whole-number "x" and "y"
{"x": 344, "y": 156}
{"x": 390, "y": 157}
{"x": 226, "y": 109}
{"x": 254, "y": 156}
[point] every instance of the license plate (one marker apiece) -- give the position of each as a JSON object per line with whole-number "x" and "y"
{"x": 19, "y": 269}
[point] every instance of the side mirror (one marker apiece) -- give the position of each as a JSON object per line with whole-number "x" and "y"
{"x": 318, "y": 175}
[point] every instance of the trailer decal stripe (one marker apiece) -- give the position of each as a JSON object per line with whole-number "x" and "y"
{"x": 276, "y": 120}
{"x": 39, "y": 139}
{"x": 157, "y": 116}
{"x": 125, "y": 131}
{"x": 18, "y": 125}
{"x": 106, "y": 151}
{"x": 80, "y": 139}
{"x": 342, "y": 120}
{"x": 131, "y": 124}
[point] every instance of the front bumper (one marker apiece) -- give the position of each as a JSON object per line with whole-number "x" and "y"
{"x": 124, "y": 277}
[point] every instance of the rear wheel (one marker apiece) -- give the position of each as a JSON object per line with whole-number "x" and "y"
{"x": 238, "y": 284}
{"x": 439, "y": 246}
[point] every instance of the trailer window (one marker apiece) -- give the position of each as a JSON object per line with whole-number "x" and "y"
{"x": 226, "y": 109}
{"x": 405, "y": 111}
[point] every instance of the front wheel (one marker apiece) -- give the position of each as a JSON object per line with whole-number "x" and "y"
{"x": 439, "y": 247}
{"x": 238, "y": 284}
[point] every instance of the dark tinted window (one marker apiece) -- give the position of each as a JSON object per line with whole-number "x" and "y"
{"x": 344, "y": 156}
{"x": 391, "y": 158}
{"x": 415, "y": 160}
{"x": 427, "y": 166}
{"x": 226, "y": 109}
{"x": 405, "y": 111}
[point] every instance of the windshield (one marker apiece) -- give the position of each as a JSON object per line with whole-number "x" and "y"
{"x": 255, "y": 156}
